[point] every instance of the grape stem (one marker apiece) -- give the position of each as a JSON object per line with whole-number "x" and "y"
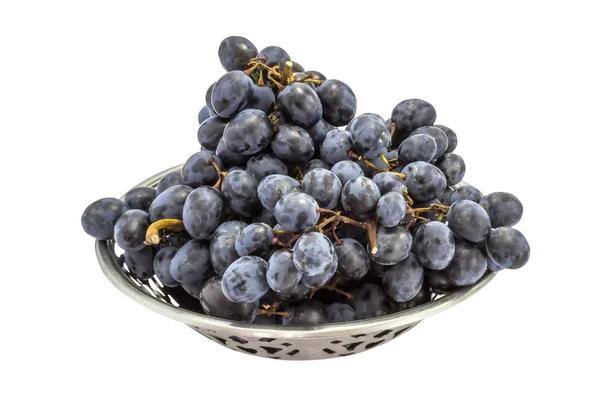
{"x": 333, "y": 287}
{"x": 286, "y": 74}
{"x": 220, "y": 173}
{"x": 153, "y": 231}
{"x": 370, "y": 226}
{"x": 393, "y": 130}
{"x": 271, "y": 309}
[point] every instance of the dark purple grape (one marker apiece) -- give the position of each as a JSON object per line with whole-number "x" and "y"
{"x": 275, "y": 56}
{"x": 162, "y": 266}
{"x": 453, "y": 167}
{"x": 466, "y": 193}
{"x": 370, "y": 301}
{"x": 370, "y": 137}
{"x": 300, "y": 105}
{"x": 451, "y": 135}
{"x": 424, "y": 181}
{"x": 173, "y": 178}
{"x": 235, "y": 53}
{"x": 239, "y": 188}
{"x": 140, "y": 198}
{"x": 438, "y": 281}
{"x": 282, "y": 274}
{"x": 423, "y": 297}
{"x": 377, "y": 269}
{"x": 420, "y": 147}
{"x": 335, "y": 146}
{"x": 215, "y": 304}
{"x": 264, "y": 165}
{"x": 130, "y": 230}
{"x": 347, "y": 170}
{"x": 210, "y": 132}
{"x": 434, "y": 245}
{"x": 353, "y": 259}
{"x": 265, "y": 217}
{"x": 292, "y": 144}
{"x": 169, "y": 204}
{"x": 321, "y": 279}
{"x": 389, "y": 182}
{"x": 339, "y": 312}
{"x": 230, "y": 228}
{"x": 192, "y": 262}
{"x": 208, "y": 99}
{"x": 202, "y": 212}
{"x": 245, "y": 280}
{"x": 297, "y": 212}
{"x": 231, "y": 93}
{"x": 391, "y": 209}
{"x": 313, "y": 254}
{"x": 249, "y": 132}
{"x": 318, "y": 131}
{"x": 297, "y": 67}
{"x": 503, "y": 208}
{"x": 204, "y": 114}
{"x": 441, "y": 140}
{"x": 508, "y": 248}
{"x": 230, "y": 158}
{"x": 469, "y": 220}
{"x": 403, "y": 281}
{"x": 295, "y": 294}
{"x": 393, "y": 245}
{"x": 360, "y": 197}
{"x": 468, "y": 265}
{"x": 262, "y": 99}
{"x": 199, "y": 171}
{"x": 273, "y": 187}
{"x": 254, "y": 240}
{"x": 409, "y": 115}
{"x": 222, "y": 252}
{"x": 323, "y": 186}
{"x": 140, "y": 263}
{"x": 307, "y": 313}
{"x": 99, "y": 218}
{"x": 313, "y": 164}
{"x": 338, "y": 100}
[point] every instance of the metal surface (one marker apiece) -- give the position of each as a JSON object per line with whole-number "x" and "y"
{"x": 274, "y": 341}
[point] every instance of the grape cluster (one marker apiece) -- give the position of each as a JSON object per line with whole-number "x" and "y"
{"x": 297, "y": 211}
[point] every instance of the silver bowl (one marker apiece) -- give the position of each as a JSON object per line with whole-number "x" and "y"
{"x": 278, "y": 342}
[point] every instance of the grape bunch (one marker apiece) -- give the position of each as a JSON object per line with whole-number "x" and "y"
{"x": 297, "y": 211}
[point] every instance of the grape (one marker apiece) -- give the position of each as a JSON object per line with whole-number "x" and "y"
{"x": 321, "y": 279}
{"x": 215, "y": 304}
{"x": 198, "y": 170}
{"x": 162, "y": 266}
{"x": 265, "y": 320}
{"x": 338, "y": 100}
{"x": 318, "y": 131}
{"x": 388, "y": 124}
{"x": 403, "y": 281}
{"x": 264, "y": 165}
{"x": 301, "y": 76}
{"x": 339, "y": 312}
{"x": 282, "y": 274}
{"x": 353, "y": 259}
{"x": 202, "y": 212}
{"x": 204, "y": 114}
{"x": 254, "y": 239}
{"x": 360, "y": 197}
{"x": 231, "y": 93}
{"x": 262, "y": 99}
{"x": 420, "y": 147}
{"x": 208, "y": 98}
{"x": 230, "y": 228}
{"x": 377, "y": 269}
{"x": 130, "y": 230}
{"x": 441, "y": 140}
{"x": 422, "y": 297}
{"x": 347, "y": 170}
{"x": 222, "y": 252}
{"x": 235, "y": 53}
{"x": 173, "y": 178}
{"x": 434, "y": 245}
{"x": 445, "y": 197}
{"x": 354, "y": 232}
{"x": 169, "y": 204}
{"x": 265, "y": 217}
{"x": 409, "y": 115}
{"x": 492, "y": 266}
{"x": 297, "y": 67}
{"x": 249, "y": 132}
{"x": 140, "y": 263}
{"x": 424, "y": 181}
{"x": 508, "y": 248}
{"x": 273, "y": 187}
{"x": 335, "y": 146}
{"x": 239, "y": 189}
{"x": 391, "y": 209}
{"x": 315, "y": 163}
{"x": 295, "y": 294}
{"x": 245, "y": 280}
{"x": 210, "y": 132}
{"x": 292, "y": 145}
{"x": 503, "y": 208}
{"x": 469, "y": 220}
{"x": 393, "y": 245}
{"x": 451, "y": 135}
{"x": 323, "y": 186}
{"x": 140, "y": 198}
{"x": 313, "y": 254}
{"x": 370, "y": 137}
{"x": 466, "y": 193}
{"x": 300, "y": 105}
{"x": 453, "y": 167}
{"x": 468, "y": 265}
{"x": 275, "y": 56}
{"x": 297, "y": 212}
{"x": 389, "y": 182}
{"x": 438, "y": 281}
{"x": 99, "y": 218}
{"x": 194, "y": 289}
{"x": 370, "y": 301}
{"x": 315, "y": 75}
{"x": 308, "y": 312}
{"x": 192, "y": 262}
{"x": 230, "y": 158}
{"x": 177, "y": 239}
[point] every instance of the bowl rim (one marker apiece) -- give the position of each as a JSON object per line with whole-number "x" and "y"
{"x": 110, "y": 265}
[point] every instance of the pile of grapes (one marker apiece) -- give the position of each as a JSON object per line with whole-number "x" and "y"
{"x": 285, "y": 217}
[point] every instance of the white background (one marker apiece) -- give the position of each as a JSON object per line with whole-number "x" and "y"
{"x": 96, "y": 96}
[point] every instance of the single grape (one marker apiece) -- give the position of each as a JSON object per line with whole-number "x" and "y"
{"x": 391, "y": 209}
{"x": 370, "y": 137}
{"x": 377, "y": 269}
{"x": 308, "y": 312}
{"x": 420, "y": 147}
{"x": 469, "y": 220}
{"x": 130, "y": 230}
{"x": 339, "y": 312}
{"x": 249, "y": 132}
{"x": 140, "y": 263}
{"x": 245, "y": 280}
{"x": 313, "y": 254}
{"x": 453, "y": 167}
{"x": 451, "y": 135}
{"x": 262, "y": 99}
{"x": 215, "y": 304}
{"x": 492, "y": 266}
{"x": 468, "y": 265}
{"x": 438, "y": 281}
{"x": 300, "y": 105}
{"x": 360, "y": 197}
{"x": 162, "y": 266}
{"x": 230, "y": 228}
{"x": 169, "y": 204}
{"x": 402, "y": 281}
{"x": 177, "y": 239}
{"x": 424, "y": 181}
{"x": 353, "y": 259}
{"x": 198, "y": 169}
{"x": 508, "y": 248}
{"x": 208, "y": 98}
{"x": 264, "y": 165}
{"x": 393, "y": 245}
{"x": 315, "y": 75}
{"x": 323, "y": 186}
{"x": 503, "y": 208}
{"x": 335, "y": 146}
{"x": 389, "y": 182}
{"x": 239, "y": 188}
{"x": 231, "y": 93}
{"x": 347, "y": 170}
{"x": 273, "y": 187}
{"x": 192, "y": 262}
{"x": 265, "y": 217}
{"x": 355, "y": 232}
{"x": 254, "y": 239}
{"x": 388, "y": 124}
{"x": 409, "y": 115}
{"x": 222, "y": 252}
{"x": 99, "y": 218}
{"x": 235, "y": 53}
{"x": 282, "y": 274}
{"x": 173, "y": 178}
{"x": 204, "y": 114}
{"x": 321, "y": 279}
{"x": 297, "y": 67}
{"x": 338, "y": 100}
{"x": 297, "y": 212}
{"x": 140, "y": 198}
{"x": 275, "y": 56}
{"x": 194, "y": 289}
{"x": 228, "y": 157}
{"x": 297, "y": 293}
{"x": 441, "y": 140}
{"x": 422, "y": 297}
{"x": 445, "y": 197}
{"x": 466, "y": 193}
{"x": 434, "y": 245}
{"x": 318, "y": 131}
{"x": 370, "y": 301}
{"x": 210, "y": 132}
{"x": 313, "y": 164}
{"x": 292, "y": 144}
{"x": 202, "y": 212}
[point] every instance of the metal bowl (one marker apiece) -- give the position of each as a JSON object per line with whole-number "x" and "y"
{"x": 273, "y": 341}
